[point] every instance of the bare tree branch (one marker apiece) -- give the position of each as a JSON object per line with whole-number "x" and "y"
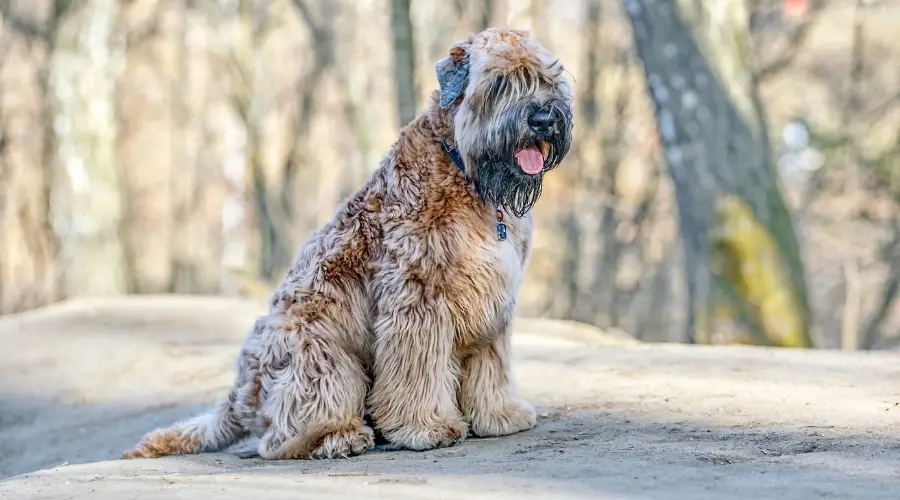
{"x": 796, "y": 43}
{"x": 322, "y": 32}
{"x": 889, "y": 291}
{"x": 146, "y": 30}
{"x": 319, "y": 29}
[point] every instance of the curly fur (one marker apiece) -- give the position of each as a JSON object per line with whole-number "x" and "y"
{"x": 402, "y": 304}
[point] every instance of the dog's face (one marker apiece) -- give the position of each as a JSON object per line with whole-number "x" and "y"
{"x": 512, "y": 113}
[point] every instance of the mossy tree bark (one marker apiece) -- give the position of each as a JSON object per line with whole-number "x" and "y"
{"x": 743, "y": 266}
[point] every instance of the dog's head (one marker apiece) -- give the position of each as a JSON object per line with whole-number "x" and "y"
{"x": 511, "y": 108}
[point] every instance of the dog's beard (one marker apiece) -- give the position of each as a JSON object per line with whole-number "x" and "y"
{"x": 511, "y": 181}
{"x": 505, "y": 185}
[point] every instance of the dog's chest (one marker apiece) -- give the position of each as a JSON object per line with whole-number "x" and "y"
{"x": 490, "y": 274}
{"x": 509, "y": 257}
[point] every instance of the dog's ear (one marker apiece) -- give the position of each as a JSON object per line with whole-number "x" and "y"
{"x": 453, "y": 74}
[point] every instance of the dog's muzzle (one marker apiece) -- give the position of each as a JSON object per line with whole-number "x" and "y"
{"x": 546, "y": 141}
{"x": 543, "y": 121}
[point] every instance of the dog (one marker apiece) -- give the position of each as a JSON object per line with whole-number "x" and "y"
{"x": 402, "y": 305}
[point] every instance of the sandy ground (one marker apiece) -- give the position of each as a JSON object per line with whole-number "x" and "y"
{"x": 81, "y": 382}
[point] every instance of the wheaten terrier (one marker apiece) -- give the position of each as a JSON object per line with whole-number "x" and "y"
{"x": 402, "y": 304}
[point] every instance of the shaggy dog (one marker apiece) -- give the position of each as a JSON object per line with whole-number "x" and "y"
{"x": 402, "y": 304}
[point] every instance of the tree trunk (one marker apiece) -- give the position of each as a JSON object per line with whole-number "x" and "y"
{"x": 493, "y": 14}
{"x": 741, "y": 252}
{"x": 305, "y": 216}
{"x": 537, "y": 20}
{"x": 87, "y": 195}
{"x": 404, "y": 61}
{"x": 248, "y": 73}
{"x": 195, "y": 259}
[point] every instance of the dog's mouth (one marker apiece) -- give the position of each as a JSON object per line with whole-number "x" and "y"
{"x": 531, "y": 158}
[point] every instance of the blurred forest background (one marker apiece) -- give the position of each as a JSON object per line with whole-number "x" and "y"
{"x": 735, "y": 174}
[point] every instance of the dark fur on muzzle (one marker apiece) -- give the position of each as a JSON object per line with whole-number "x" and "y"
{"x": 498, "y": 178}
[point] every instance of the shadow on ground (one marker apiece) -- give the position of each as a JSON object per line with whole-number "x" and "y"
{"x": 572, "y": 453}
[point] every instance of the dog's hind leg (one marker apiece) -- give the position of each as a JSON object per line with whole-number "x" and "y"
{"x": 315, "y": 404}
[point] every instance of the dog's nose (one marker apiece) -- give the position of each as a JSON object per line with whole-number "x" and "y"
{"x": 542, "y": 120}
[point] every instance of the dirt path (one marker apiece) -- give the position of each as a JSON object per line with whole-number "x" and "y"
{"x": 82, "y": 382}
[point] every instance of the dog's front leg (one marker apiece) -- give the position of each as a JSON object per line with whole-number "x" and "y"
{"x": 413, "y": 398}
{"x": 487, "y": 391}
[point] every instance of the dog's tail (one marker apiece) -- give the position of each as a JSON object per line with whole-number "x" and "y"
{"x": 212, "y": 431}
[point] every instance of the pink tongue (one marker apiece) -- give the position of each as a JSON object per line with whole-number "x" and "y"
{"x": 530, "y": 160}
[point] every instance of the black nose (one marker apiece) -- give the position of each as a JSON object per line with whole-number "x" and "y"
{"x": 542, "y": 120}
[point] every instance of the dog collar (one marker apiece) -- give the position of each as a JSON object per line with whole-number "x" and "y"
{"x": 461, "y": 165}
{"x": 456, "y": 157}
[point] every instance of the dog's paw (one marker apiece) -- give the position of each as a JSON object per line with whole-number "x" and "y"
{"x": 442, "y": 435}
{"x": 515, "y": 416}
{"x": 247, "y": 453}
{"x": 346, "y": 443}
